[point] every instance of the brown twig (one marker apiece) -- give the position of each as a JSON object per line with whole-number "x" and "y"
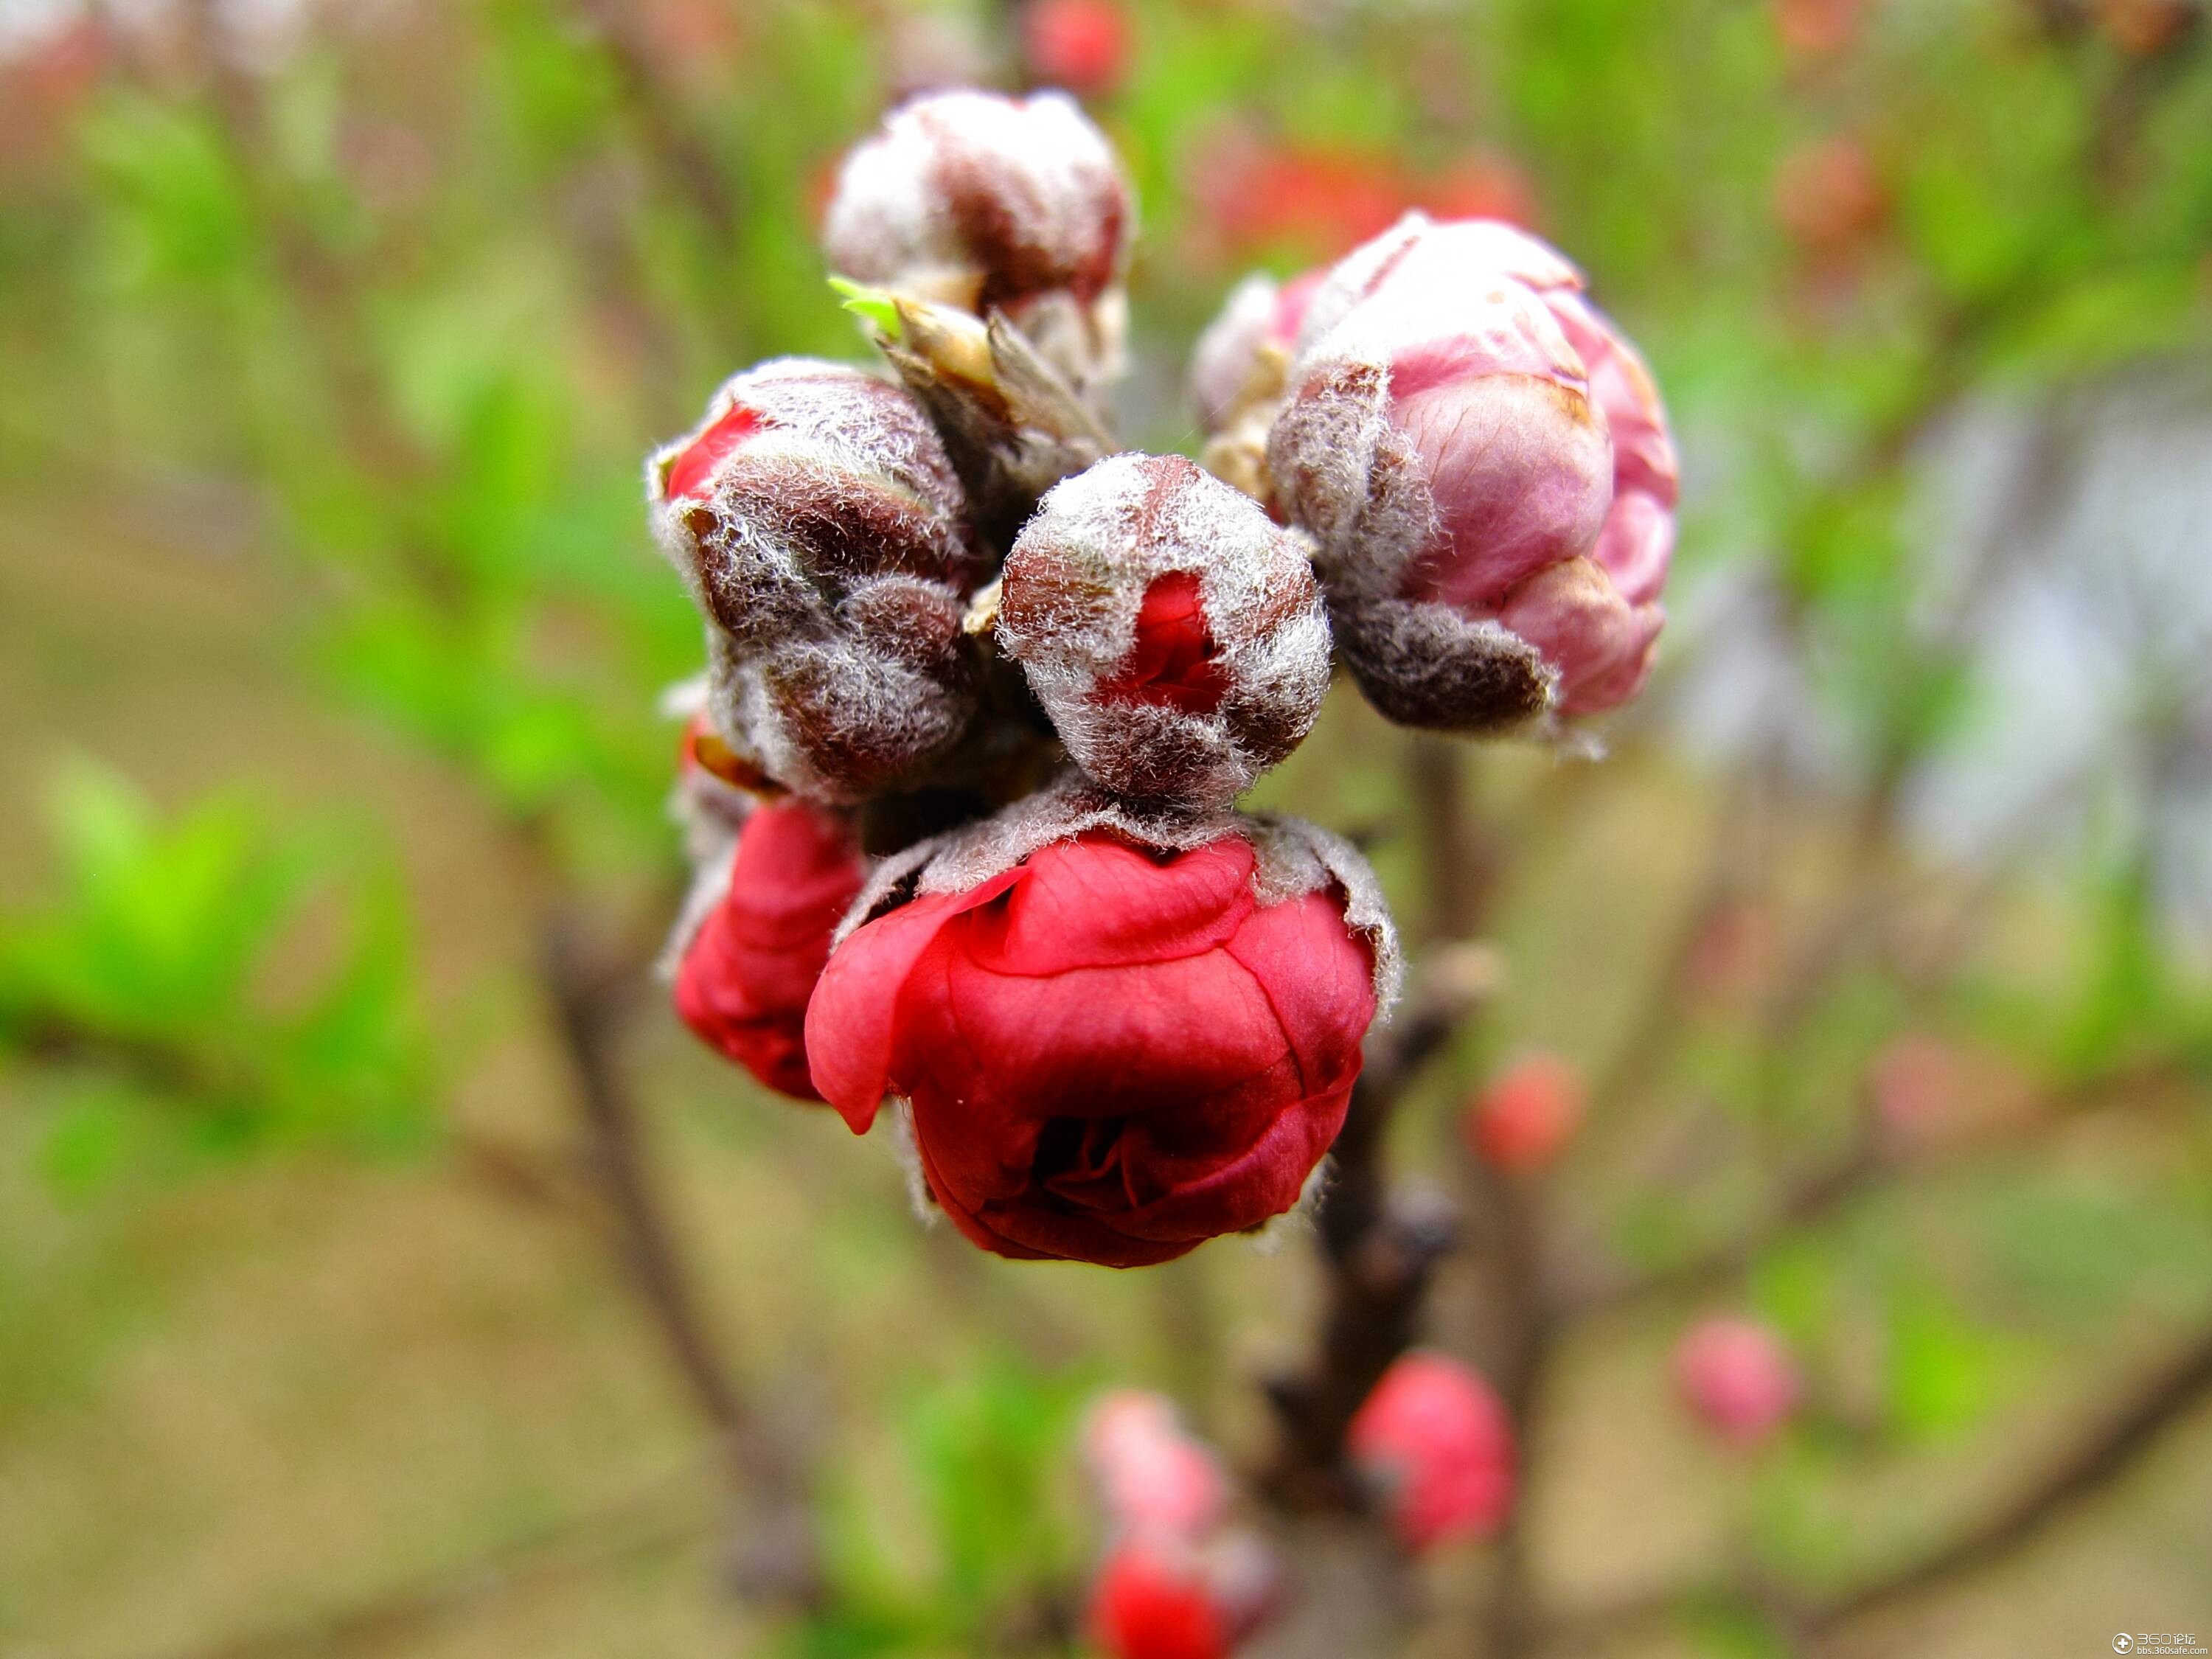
{"x": 1379, "y": 1251}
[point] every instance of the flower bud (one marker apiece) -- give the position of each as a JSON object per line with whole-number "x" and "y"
{"x": 1523, "y": 1119}
{"x": 1486, "y": 467}
{"x": 1165, "y": 1597}
{"x": 1117, "y": 1036}
{"x": 1435, "y": 1440}
{"x": 1151, "y": 1474}
{"x": 1173, "y": 633}
{"x": 1237, "y": 371}
{"x": 744, "y": 981}
{"x": 1737, "y": 1378}
{"x": 991, "y": 203}
{"x": 1082, "y": 44}
{"x": 822, "y": 534}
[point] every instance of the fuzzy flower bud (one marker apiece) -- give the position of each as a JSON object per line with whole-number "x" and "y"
{"x": 1737, "y": 1378}
{"x": 1486, "y": 464}
{"x": 1524, "y": 1118}
{"x": 1165, "y": 1597}
{"x": 1116, "y": 1037}
{"x": 1436, "y": 1440}
{"x": 991, "y": 203}
{"x": 822, "y": 534}
{"x": 1173, "y": 633}
{"x": 1151, "y": 1474}
{"x": 744, "y": 981}
{"x": 1237, "y": 371}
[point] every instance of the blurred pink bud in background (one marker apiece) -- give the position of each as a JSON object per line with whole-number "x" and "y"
{"x": 1152, "y": 1475}
{"x": 1436, "y": 1441}
{"x": 1738, "y": 1378}
{"x": 1524, "y": 1117}
{"x": 1085, "y": 45}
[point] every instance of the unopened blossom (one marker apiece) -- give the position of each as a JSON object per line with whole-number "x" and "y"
{"x": 819, "y": 523}
{"x": 1486, "y": 467}
{"x": 1116, "y": 1039}
{"x": 993, "y": 202}
{"x": 1436, "y": 1442}
{"x": 1152, "y": 1475}
{"x": 744, "y": 981}
{"x": 1163, "y": 1596}
{"x": 1082, "y": 44}
{"x": 1173, "y": 633}
{"x": 1525, "y": 1116}
{"x": 1237, "y": 372}
{"x": 1738, "y": 1378}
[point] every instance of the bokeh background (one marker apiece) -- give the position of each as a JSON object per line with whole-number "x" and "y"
{"x": 334, "y": 849}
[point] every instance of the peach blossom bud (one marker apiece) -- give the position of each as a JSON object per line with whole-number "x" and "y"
{"x": 1828, "y": 197}
{"x": 991, "y": 203}
{"x": 1738, "y": 1378}
{"x": 1523, "y": 1119}
{"x": 1486, "y": 467}
{"x": 1173, "y": 633}
{"x": 1082, "y": 44}
{"x": 822, "y": 532}
{"x": 1165, "y": 1597}
{"x": 1435, "y": 1438}
{"x": 1151, "y": 1474}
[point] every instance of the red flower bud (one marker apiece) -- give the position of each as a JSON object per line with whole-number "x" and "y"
{"x": 1436, "y": 1440}
{"x": 745, "y": 979}
{"x": 1525, "y": 1118}
{"x": 1828, "y": 197}
{"x": 822, "y": 533}
{"x": 1153, "y": 1476}
{"x": 1082, "y": 44}
{"x": 1738, "y": 1378}
{"x": 1162, "y": 1597}
{"x": 990, "y": 203}
{"x": 2144, "y": 28}
{"x": 1116, "y": 1039}
{"x": 1486, "y": 467}
{"x": 1173, "y": 633}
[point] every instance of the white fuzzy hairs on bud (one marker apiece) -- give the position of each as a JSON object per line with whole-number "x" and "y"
{"x": 819, "y": 525}
{"x": 989, "y": 203}
{"x": 1185, "y": 710}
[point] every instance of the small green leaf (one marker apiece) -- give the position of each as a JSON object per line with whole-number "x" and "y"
{"x": 874, "y": 306}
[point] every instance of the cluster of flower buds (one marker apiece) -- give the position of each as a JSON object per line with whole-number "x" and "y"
{"x": 1482, "y": 460}
{"x": 1435, "y": 1443}
{"x": 1179, "y": 1579}
{"x": 1738, "y": 1379}
{"x": 981, "y": 693}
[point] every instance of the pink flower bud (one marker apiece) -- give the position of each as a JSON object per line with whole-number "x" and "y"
{"x": 1116, "y": 1037}
{"x": 1829, "y": 197}
{"x": 2144, "y": 28}
{"x": 991, "y": 203}
{"x": 1162, "y": 1597}
{"x": 744, "y": 980}
{"x": 1151, "y": 1475}
{"x": 1486, "y": 467}
{"x": 1436, "y": 1441}
{"x": 1738, "y": 1378}
{"x": 1082, "y": 44}
{"x": 1237, "y": 375}
{"x": 1173, "y": 633}
{"x": 822, "y": 533}
{"x": 1523, "y": 1119}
